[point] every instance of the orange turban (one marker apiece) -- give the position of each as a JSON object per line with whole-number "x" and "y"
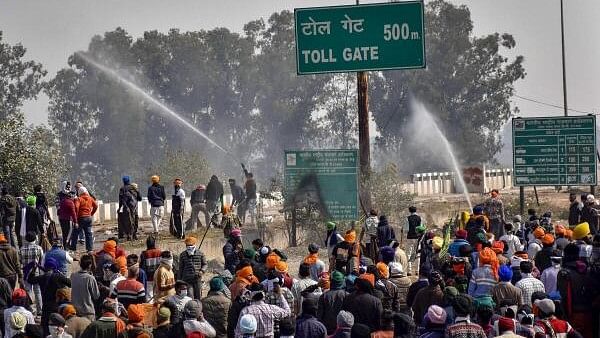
{"x": 281, "y": 267}
{"x": 498, "y": 247}
{"x": 244, "y": 272}
{"x": 122, "y": 263}
{"x": 539, "y": 232}
{"x": 488, "y": 256}
{"x": 569, "y": 234}
{"x": 560, "y": 229}
{"x": 111, "y": 248}
{"x": 191, "y": 240}
{"x": 324, "y": 280}
{"x": 383, "y": 269}
{"x": 3, "y": 238}
{"x": 368, "y": 277}
{"x": 68, "y": 311}
{"x": 548, "y": 239}
{"x": 350, "y": 236}
{"x": 135, "y": 313}
{"x": 522, "y": 254}
{"x": 272, "y": 260}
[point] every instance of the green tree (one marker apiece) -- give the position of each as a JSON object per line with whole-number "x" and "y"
{"x": 20, "y": 79}
{"x": 285, "y": 101}
{"x": 192, "y": 169}
{"x": 468, "y": 84}
{"x": 28, "y": 155}
{"x": 387, "y": 193}
{"x": 338, "y": 124}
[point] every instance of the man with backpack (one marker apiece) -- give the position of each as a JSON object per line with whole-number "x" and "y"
{"x": 8, "y": 212}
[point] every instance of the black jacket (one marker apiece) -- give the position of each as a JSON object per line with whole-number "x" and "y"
{"x": 414, "y": 221}
{"x": 574, "y": 213}
{"x": 8, "y": 209}
{"x": 237, "y": 193}
{"x": 214, "y": 189}
{"x": 156, "y": 195}
{"x": 191, "y": 266}
{"x": 250, "y": 187}
{"x": 385, "y": 233}
{"x": 366, "y": 308}
{"x": 330, "y": 304}
{"x": 231, "y": 254}
{"x": 590, "y": 215}
{"x": 33, "y": 221}
{"x": 198, "y": 196}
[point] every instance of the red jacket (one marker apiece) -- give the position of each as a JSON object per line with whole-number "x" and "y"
{"x": 67, "y": 210}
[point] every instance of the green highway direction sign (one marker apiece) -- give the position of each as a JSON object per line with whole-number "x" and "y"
{"x": 337, "y": 175}
{"x": 554, "y": 151}
{"x": 361, "y": 37}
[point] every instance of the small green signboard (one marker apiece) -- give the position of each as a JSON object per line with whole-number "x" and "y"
{"x": 554, "y": 151}
{"x": 361, "y": 37}
{"x": 336, "y": 172}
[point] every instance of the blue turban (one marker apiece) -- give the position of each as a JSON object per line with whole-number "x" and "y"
{"x": 51, "y": 264}
{"x": 126, "y": 179}
{"x": 505, "y": 273}
{"x": 387, "y": 254}
{"x": 478, "y": 210}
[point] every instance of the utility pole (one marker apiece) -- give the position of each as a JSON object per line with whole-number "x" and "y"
{"x": 564, "y": 70}
{"x": 364, "y": 148}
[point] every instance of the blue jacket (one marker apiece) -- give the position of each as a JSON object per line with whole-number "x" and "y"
{"x": 482, "y": 281}
{"x": 156, "y": 195}
{"x": 308, "y": 326}
{"x": 454, "y": 248}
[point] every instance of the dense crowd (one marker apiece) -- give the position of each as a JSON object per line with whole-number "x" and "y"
{"x": 491, "y": 278}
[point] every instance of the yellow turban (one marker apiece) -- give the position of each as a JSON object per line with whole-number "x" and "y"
{"x": 437, "y": 242}
{"x": 581, "y": 230}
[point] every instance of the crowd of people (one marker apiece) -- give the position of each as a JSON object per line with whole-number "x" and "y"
{"x": 538, "y": 278}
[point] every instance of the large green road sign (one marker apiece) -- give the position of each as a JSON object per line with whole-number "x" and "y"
{"x": 554, "y": 151}
{"x": 361, "y": 37}
{"x": 336, "y": 173}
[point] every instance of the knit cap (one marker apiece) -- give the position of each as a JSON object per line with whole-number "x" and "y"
{"x": 192, "y": 309}
{"x": 345, "y": 319}
{"x": 436, "y": 315}
{"x": 216, "y": 284}
{"x": 248, "y": 324}
{"x": 395, "y": 268}
{"x": 56, "y": 319}
{"x": 337, "y": 280}
{"x": 545, "y": 305}
{"x": 163, "y": 315}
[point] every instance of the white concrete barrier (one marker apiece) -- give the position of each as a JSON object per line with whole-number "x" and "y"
{"x": 424, "y": 184}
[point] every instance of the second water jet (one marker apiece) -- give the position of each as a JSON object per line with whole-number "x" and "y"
{"x": 423, "y": 121}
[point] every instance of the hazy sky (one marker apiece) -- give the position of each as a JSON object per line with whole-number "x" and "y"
{"x": 53, "y": 29}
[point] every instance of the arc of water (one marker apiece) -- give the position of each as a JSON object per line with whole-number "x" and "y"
{"x": 425, "y": 114}
{"x": 146, "y": 96}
